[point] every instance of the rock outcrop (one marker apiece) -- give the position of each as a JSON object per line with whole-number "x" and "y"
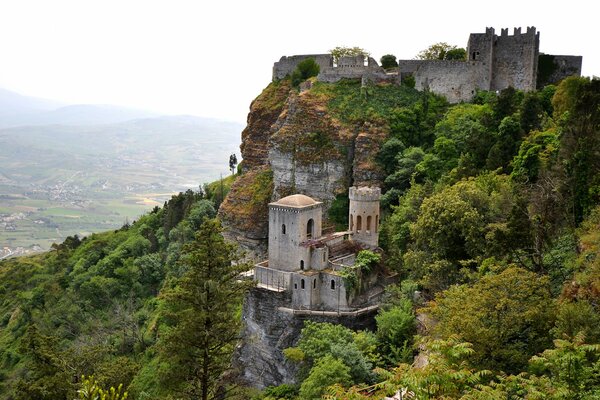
{"x": 309, "y": 150}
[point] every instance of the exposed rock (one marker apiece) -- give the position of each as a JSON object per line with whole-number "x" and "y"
{"x": 309, "y": 150}
{"x": 244, "y": 212}
{"x": 264, "y": 111}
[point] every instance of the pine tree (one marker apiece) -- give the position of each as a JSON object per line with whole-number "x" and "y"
{"x": 201, "y": 313}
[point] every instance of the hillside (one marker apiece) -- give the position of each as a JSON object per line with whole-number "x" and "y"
{"x": 491, "y": 221}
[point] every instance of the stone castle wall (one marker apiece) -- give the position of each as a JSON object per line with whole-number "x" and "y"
{"x": 564, "y": 66}
{"x": 456, "y": 80}
{"x": 287, "y": 64}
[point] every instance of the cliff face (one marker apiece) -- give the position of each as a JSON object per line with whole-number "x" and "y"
{"x": 310, "y": 149}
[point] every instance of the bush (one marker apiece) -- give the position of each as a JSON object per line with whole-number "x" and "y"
{"x": 388, "y": 61}
{"x": 327, "y": 372}
{"x": 305, "y": 69}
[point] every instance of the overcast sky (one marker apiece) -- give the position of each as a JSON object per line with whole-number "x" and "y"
{"x": 211, "y": 58}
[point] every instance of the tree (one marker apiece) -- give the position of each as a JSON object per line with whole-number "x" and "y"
{"x": 199, "y": 311}
{"x": 442, "y": 51}
{"x": 327, "y": 372}
{"x": 395, "y": 329}
{"x": 388, "y": 61}
{"x": 232, "y": 163}
{"x": 321, "y": 340}
{"x": 507, "y": 317}
{"x": 342, "y": 51}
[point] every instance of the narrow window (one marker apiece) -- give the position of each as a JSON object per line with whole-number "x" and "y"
{"x": 295, "y": 286}
{"x": 369, "y": 223}
{"x": 323, "y": 256}
{"x": 283, "y": 229}
{"x": 301, "y": 283}
{"x": 332, "y": 284}
{"x": 314, "y": 283}
{"x": 358, "y": 223}
{"x": 351, "y": 222}
{"x": 302, "y": 265}
{"x": 309, "y": 228}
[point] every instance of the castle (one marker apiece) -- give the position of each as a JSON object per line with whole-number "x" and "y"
{"x": 305, "y": 262}
{"x": 494, "y": 62}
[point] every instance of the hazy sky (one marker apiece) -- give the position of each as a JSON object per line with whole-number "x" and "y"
{"x": 211, "y": 58}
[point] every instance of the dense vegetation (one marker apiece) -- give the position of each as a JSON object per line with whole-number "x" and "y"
{"x": 492, "y": 222}
{"x": 117, "y": 306}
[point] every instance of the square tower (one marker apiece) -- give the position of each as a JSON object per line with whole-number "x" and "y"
{"x": 293, "y": 220}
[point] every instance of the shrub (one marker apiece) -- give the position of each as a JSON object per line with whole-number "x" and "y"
{"x": 305, "y": 69}
{"x": 388, "y": 61}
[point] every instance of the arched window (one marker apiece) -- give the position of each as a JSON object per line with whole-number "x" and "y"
{"x": 314, "y": 283}
{"x": 309, "y": 228}
{"x": 302, "y": 264}
{"x": 369, "y": 223}
{"x": 283, "y": 229}
{"x": 301, "y": 283}
{"x": 333, "y": 284}
{"x": 376, "y": 223}
{"x": 295, "y": 286}
{"x": 358, "y": 223}
{"x": 351, "y": 222}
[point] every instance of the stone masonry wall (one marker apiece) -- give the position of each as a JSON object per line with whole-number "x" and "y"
{"x": 565, "y": 66}
{"x": 456, "y": 80}
{"x": 287, "y": 64}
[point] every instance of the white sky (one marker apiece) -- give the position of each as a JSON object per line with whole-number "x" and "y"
{"x": 211, "y": 58}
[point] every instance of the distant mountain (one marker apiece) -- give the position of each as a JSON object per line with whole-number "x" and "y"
{"x": 12, "y": 103}
{"x": 19, "y": 110}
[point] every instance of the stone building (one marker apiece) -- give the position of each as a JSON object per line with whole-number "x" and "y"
{"x": 305, "y": 261}
{"x": 494, "y": 62}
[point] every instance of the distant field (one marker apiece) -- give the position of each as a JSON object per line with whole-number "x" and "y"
{"x": 59, "y": 181}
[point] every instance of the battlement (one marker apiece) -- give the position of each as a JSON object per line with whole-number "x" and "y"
{"x": 364, "y": 193}
{"x": 530, "y": 32}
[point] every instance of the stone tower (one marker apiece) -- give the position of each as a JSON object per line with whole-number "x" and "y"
{"x": 293, "y": 220}
{"x": 364, "y": 215}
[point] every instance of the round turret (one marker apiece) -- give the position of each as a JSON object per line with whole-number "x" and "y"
{"x": 363, "y": 220}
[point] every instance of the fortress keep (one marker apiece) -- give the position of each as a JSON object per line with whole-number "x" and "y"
{"x": 494, "y": 62}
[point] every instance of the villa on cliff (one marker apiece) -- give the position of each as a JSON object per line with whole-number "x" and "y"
{"x": 305, "y": 261}
{"x": 494, "y": 62}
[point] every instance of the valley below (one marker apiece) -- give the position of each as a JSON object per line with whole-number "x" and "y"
{"x": 59, "y": 180}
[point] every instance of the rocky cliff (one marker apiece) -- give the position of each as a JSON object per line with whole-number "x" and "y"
{"x": 316, "y": 140}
